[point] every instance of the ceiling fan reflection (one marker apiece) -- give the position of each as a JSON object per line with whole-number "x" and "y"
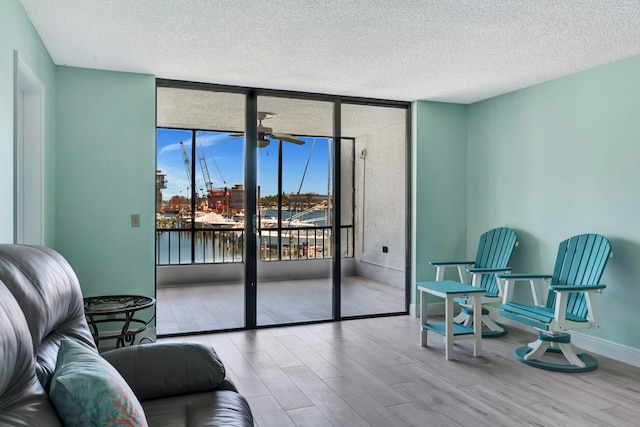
{"x": 265, "y": 134}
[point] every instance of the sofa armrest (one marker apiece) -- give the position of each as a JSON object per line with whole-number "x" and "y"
{"x": 168, "y": 369}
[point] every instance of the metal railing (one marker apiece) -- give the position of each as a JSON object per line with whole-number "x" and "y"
{"x": 176, "y": 246}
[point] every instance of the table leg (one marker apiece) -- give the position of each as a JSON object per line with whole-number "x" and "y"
{"x": 448, "y": 336}
{"x": 94, "y": 329}
{"x": 423, "y": 318}
{"x": 477, "y": 324}
{"x": 120, "y": 342}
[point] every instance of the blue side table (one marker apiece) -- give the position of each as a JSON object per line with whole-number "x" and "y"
{"x": 451, "y": 331}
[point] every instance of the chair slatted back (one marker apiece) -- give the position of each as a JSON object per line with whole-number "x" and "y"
{"x": 580, "y": 261}
{"x": 494, "y": 251}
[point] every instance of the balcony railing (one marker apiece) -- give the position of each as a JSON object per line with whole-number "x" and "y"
{"x": 213, "y": 246}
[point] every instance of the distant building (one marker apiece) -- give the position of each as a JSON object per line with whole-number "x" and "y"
{"x": 161, "y": 183}
{"x": 225, "y": 199}
{"x": 236, "y": 197}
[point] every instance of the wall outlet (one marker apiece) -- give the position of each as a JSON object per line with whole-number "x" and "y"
{"x": 135, "y": 220}
{"x": 385, "y": 249}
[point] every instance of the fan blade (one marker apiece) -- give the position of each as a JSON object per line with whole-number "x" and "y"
{"x": 287, "y": 138}
{"x": 237, "y": 135}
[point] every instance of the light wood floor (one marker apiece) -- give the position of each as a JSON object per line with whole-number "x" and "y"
{"x": 373, "y": 372}
{"x": 211, "y": 307}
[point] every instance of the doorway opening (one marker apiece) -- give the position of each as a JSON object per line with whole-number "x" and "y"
{"x": 29, "y": 153}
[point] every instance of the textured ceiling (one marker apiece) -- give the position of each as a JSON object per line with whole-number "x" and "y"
{"x": 221, "y": 111}
{"x": 441, "y": 50}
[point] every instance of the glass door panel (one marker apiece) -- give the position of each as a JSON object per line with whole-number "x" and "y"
{"x": 199, "y": 211}
{"x": 295, "y": 210}
{"x": 173, "y": 197}
{"x": 374, "y": 200}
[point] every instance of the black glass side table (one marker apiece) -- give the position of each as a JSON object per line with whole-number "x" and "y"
{"x": 117, "y": 309}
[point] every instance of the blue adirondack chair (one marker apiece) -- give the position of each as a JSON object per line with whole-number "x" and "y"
{"x": 571, "y": 303}
{"x": 493, "y": 255}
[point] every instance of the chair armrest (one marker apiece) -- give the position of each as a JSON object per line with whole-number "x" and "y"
{"x": 488, "y": 270}
{"x": 505, "y": 280}
{"x": 453, "y": 263}
{"x": 576, "y": 288}
{"x": 167, "y": 369}
{"x": 442, "y": 265}
{"x": 518, "y": 277}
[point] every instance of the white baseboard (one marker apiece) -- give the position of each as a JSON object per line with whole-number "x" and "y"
{"x": 605, "y": 348}
{"x": 435, "y": 308}
{"x": 414, "y": 310}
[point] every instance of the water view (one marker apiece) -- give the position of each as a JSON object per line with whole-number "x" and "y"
{"x": 216, "y": 239}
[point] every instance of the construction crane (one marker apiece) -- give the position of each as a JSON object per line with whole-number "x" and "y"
{"x": 187, "y": 162}
{"x": 205, "y": 169}
{"x": 216, "y": 197}
{"x": 187, "y": 168}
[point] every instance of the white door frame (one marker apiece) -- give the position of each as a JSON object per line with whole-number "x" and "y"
{"x": 29, "y": 156}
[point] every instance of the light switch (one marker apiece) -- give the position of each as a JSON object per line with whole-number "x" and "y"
{"x": 135, "y": 220}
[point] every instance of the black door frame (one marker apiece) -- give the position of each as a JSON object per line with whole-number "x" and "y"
{"x": 251, "y": 180}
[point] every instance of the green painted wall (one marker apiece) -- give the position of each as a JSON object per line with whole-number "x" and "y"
{"x": 550, "y": 161}
{"x": 559, "y": 159}
{"x": 105, "y": 158}
{"x": 17, "y": 34}
{"x": 439, "y": 185}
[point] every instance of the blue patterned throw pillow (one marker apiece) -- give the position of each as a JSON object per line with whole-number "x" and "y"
{"x": 87, "y": 391}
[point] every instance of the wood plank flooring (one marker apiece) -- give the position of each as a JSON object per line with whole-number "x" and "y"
{"x": 373, "y": 372}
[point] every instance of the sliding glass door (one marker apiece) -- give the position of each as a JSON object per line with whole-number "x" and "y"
{"x": 294, "y": 226}
{"x": 374, "y": 176}
{"x": 200, "y": 228}
{"x": 277, "y": 208}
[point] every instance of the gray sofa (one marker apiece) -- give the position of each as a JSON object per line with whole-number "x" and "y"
{"x": 42, "y": 318}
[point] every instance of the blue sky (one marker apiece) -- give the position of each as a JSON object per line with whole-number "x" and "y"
{"x": 224, "y": 155}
